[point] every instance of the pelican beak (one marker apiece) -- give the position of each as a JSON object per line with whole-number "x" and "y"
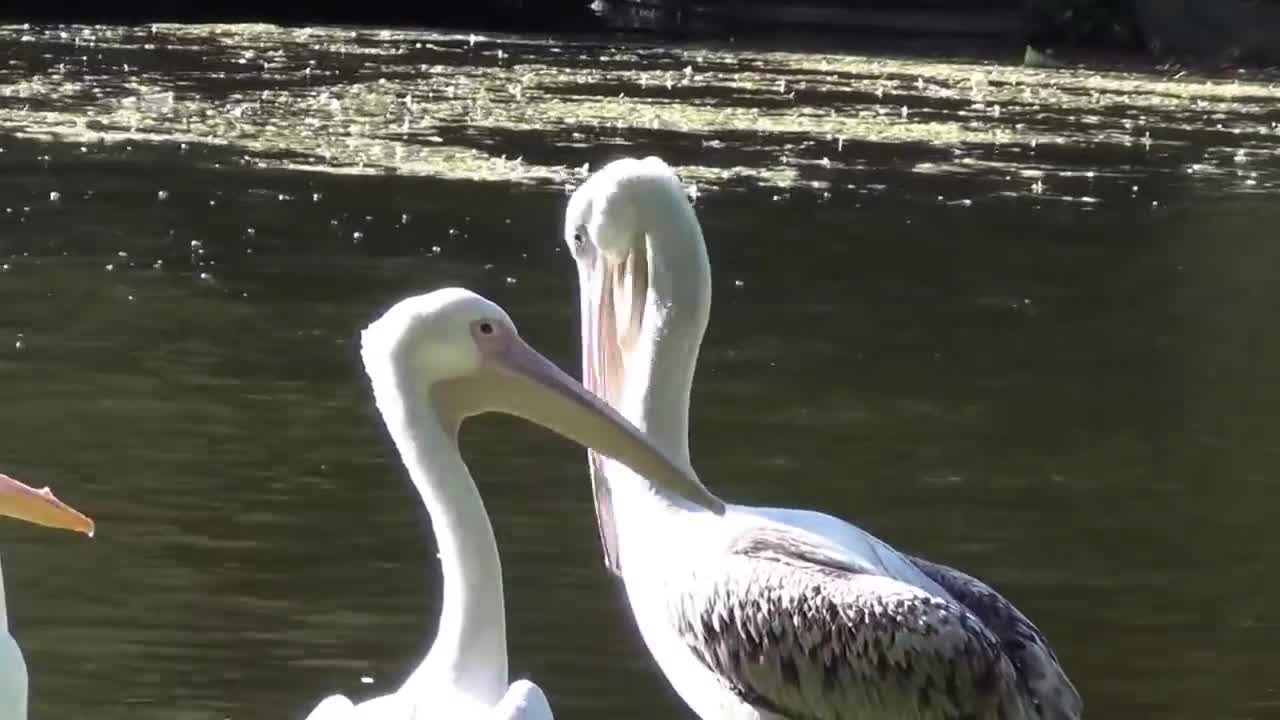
{"x": 600, "y": 372}
{"x": 40, "y": 507}
{"x": 619, "y": 290}
{"x": 614, "y": 303}
{"x": 516, "y": 379}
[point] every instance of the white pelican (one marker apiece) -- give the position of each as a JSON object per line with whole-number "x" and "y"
{"x": 751, "y": 612}
{"x": 42, "y": 508}
{"x": 434, "y": 360}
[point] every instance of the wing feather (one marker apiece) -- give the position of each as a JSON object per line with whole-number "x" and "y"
{"x": 1039, "y": 671}
{"x": 795, "y": 631}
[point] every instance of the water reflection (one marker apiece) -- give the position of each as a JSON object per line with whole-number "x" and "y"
{"x": 532, "y": 109}
{"x": 1071, "y": 399}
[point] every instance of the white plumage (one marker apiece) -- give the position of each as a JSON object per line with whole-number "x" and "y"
{"x": 522, "y": 701}
{"x": 13, "y": 670}
{"x": 767, "y": 613}
{"x": 433, "y": 361}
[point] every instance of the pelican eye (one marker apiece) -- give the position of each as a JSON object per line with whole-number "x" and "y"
{"x": 486, "y": 328}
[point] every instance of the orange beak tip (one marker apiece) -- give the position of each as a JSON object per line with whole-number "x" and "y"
{"x": 82, "y": 523}
{"x": 47, "y": 509}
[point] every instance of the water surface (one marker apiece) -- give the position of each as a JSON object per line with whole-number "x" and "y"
{"x": 1024, "y": 325}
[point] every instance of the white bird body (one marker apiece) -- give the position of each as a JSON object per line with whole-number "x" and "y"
{"x": 13, "y": 677}
{"x": 13, "y": 668}
{"x": 434, "y": 360}
{"x": 768, "y": 613}
{"x": 683, "y": 565}
{"x": 522, "y": 701}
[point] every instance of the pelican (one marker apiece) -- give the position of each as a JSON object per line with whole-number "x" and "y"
{"x": 751, "y": 612}
{"x": 434, "y": 360}
{"x": 41, "y": 508}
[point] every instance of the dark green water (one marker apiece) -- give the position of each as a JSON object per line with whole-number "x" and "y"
{"x": 1073, "y": 392}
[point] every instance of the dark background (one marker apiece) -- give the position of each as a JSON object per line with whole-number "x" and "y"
{"x": 492, "y": 14}
{"x": 1093, "y": 24}
{"x": 539, "y": 15}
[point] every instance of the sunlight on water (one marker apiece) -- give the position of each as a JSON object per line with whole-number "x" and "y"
{"x": 497, "y": 108}
{"x": 1018, "y": 320}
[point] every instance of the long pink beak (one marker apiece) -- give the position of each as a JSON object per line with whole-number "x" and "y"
{"x": 40, "y": 507}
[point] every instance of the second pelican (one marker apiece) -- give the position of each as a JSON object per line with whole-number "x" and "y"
{"x": 764, "y": 613}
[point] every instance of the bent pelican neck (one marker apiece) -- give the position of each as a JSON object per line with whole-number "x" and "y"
{"x": 661, "y": 365}
{"x": 470, "y": 648}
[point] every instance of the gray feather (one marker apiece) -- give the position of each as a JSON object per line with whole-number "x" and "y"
{"x": 1039, "y": 672}
{"x": 794, "y": 630}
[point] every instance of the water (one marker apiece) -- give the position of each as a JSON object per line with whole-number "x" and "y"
{"x": 1037, "y": 343}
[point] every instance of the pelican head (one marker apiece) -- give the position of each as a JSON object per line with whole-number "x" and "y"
{"x": 461, "y": 355}
{"x": 40, "y": 507}
{"x": 643, "y": 275}
{"x": 640, "y": 253}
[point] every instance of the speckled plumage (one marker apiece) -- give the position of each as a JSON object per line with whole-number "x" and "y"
{"x": 1039, "y": 673}
{"x": 795, "y": 632}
